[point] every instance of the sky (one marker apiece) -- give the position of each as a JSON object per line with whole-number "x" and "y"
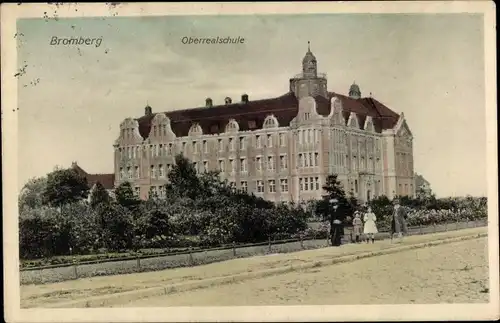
{"x": 72, "y": 99}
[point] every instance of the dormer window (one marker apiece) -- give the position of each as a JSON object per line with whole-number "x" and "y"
{"x": 252, "y": 124}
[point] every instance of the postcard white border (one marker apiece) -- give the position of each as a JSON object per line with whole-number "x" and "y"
{"x": 11, "y": 12}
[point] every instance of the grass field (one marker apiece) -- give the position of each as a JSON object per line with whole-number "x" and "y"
{"x": 41, "y": 295}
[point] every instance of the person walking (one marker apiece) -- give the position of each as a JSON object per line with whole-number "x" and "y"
{"x": 357, "y": 225}
{"x": 398, "y": 225}
{"x": 370, "y": 228}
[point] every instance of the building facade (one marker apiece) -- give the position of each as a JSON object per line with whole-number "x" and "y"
{"x": 281, "y": 149}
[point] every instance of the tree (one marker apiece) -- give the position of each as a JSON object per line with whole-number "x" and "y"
{"x": 117, "y": 226}
{"x": 65, "y": 186}
{"x": 125, "y": 196}
{"x": 99, "y": 196}
{"x": 183, "y": 180}
{"x": 31, "y": 195}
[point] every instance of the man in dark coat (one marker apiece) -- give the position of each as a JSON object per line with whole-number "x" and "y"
{"x": 398, "y": 225}
{"x": 336, "y": 223}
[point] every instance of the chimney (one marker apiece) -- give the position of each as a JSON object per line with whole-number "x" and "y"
{"x": 208, "y": 103}
{"x": 73, "y": 164}
{"x": 228, "y": 100}
{"x": 244, "y": 98}
{"x": 148, "y": 111}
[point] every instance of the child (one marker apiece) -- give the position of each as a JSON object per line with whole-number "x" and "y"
{"x": 370, "y": 226}
{"x": 357, "y": 226}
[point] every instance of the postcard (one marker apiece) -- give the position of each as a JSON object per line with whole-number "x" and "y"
{"x": 302, "y": 161}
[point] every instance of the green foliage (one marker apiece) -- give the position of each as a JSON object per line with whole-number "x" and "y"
{"x": 64, "y": 186}
{"x": 334, "y": 190}
{"x": 183, "y": 180}
{"x": 31, "y": 195}
{"x": 124, "y": 195}
{"x": 99, "y": 196}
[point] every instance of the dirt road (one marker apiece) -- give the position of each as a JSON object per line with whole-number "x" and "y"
{"x": 449, "y": 273}
{"x": 82, "y": 289}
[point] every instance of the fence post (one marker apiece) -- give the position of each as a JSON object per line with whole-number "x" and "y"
{"x": 269, "y": 243}
{"x": 75, "y": 267}
{"x": 434, "y": 226}
{"x": 234, "y": 249}
{"x": 301, "y": 242}
{"x": 420, "y": 228}
{"x": 191, "y": 261}
{"x": 138, "y": 261}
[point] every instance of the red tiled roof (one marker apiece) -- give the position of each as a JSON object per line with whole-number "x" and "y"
{"x": 107, "y": 180}
{"x": 214, "y": 119}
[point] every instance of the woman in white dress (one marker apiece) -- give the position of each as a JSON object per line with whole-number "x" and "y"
{"x": 370, "y": 227}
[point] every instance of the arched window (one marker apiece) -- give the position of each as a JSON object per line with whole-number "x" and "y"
{"x": 270, "y": 122}
{"x": 232, "y": 126}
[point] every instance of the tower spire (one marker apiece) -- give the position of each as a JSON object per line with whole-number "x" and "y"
{"x": 308, "y": 46}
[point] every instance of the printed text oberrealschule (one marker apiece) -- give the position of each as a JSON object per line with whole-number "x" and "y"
{"x": 212, "y": 40}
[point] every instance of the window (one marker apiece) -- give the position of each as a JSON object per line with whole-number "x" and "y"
{"x": 221, "y": 145}
{"x": 160, "y": 167}
{"x": 151, "y": 150}
{"x": 243, "y": 165}
{"x": 232, "y": 184}
{"x": 316, "y": 159}
{"x": 129, "y": 172}
{"x": 137, "y": 190}
{"x": 153, "y": 171}
{"x": 231, "y": 144}
{"x": 301, "y": 160}
{"x": 169, "y": 167}
{"x": 307, "y": 115}
{"x": 258, "y": 163}
{"x": 258, "y": 141}
{"x": 306, "y": 184}
{"x": 260, "y": 187}
{"x": 221, "y": 166}
{"x": 242, "y": 143}
{"x": 356, "y": 185}
{"x": 283, "y": 162}
{"x": 205, "y": 146}
{"x": 272, "y": 186}
{"x": 316, "y": 183}
{"x": 164, "y": 130}
{"x": 170, "y": 146}
{"x": 160, "y": 152}
{"x": 195, "y": 166}
{"x": 270, "y": 163}
{"x": 301, "y": 184}
{"x": 136, "y": 172}
{"x": 252, "y": 124}
{"x": 310, "y": 136}
{"x": 233, "y": 165}
{"x": 183, "y": 147}
{"x": 282, "y": 139}
{"x": 195, "y": 147}
{"x": 269, "y": 140}
{"x": 311, "y": 184}
{"x": 284, "y": 185}
{"x": 306, "y": 160}
{"x": 205, "y": 166}
{"x": 244, "y": 186}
